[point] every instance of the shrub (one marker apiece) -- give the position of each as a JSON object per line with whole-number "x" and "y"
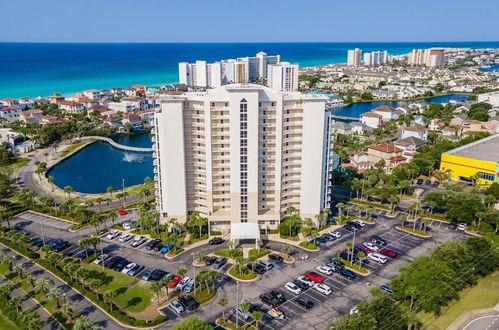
{"x": 308, "y": 245}
{"x": 215, "y": 233}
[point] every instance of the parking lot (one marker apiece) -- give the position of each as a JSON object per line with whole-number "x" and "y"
{"x": 346, "y": 293}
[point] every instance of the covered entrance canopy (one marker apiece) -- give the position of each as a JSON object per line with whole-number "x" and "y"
{"x": 245, "y": 230}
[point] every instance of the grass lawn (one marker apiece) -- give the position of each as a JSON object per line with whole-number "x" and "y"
{"x": 222, "y": 253}
{"x": 258, "y": 254}
{"x": 135, "y": 298}
{"x": 246, "y": 274}
{"x": 201, "y": 294}
{"x": 70, "y": 149}
{"x": 6, "y": 324}
{"x": 355, "y": 267}
{"x": 414, "y": 231}
{"x": 483, "y": 295}
{"x": 308, "y": 245}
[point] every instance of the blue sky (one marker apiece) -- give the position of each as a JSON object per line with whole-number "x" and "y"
{"x": 248, "y": 20}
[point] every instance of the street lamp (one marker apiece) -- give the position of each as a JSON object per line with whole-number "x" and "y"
{"x": 194, "y": 268}
{"x": 123, "y": 191}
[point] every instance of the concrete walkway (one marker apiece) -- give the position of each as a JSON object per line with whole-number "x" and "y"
{"x": 116, "y": 145}
{"x": 470, "y": 320}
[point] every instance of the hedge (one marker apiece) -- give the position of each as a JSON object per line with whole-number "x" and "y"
{"x": 215, "y": 233}
{"x": 19, "y": 248}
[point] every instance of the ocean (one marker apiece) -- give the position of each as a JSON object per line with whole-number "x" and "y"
{"x": 39, "y": 69}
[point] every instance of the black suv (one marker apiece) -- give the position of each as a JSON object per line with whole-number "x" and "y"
{"x": 452, "y": 226}
{"x": 378, "y": 240}
{"x": 277, "y": 295}
{"x": 269, "y": 300}
{"x": 216, "y": 241}
{"x": 275, "y": 258}
{"x": 355, "y": 225}
{"x": 110, "y": 263}
{"x": 152, "y": 243}
{"x": 305, "y": 303}
{"x": 348, "y": 274}
{"x": 83, "y": 254}
{"x": 209, "y": 261}
{"x": 120, "y": 265}
{"x": 189, "y": 302}
{"x": 301, "y": 285}
{"x": 338, "y": 264}
{"x": 349, "y": 256}
{"x": 257, "y": 268}
{"x": 61, "y": 246}
{"x": 349, "y": 227}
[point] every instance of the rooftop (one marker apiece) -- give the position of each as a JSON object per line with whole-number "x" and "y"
{"x": 486, "y": 149}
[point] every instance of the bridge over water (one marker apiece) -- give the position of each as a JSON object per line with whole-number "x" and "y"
{"x": 116, "y": 145}
{"x": 345, "y": 118}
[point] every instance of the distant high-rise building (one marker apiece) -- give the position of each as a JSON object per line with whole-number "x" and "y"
{"x": 354, "y": 57}
{"x": 243, "y": 69}
{"x": 376, "y": 58}
{"x": 283, "y": 77}
{"x": 242, "y": 153}
{"x": 433, "y": 57}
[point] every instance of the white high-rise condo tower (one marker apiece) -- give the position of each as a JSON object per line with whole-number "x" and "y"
{"x": 241, "y": 153}
{"x": 354, "y": 57}
{"x": 283, "y": 77}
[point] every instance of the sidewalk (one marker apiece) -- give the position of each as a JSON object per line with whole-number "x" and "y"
{"x": 468, "y": 316}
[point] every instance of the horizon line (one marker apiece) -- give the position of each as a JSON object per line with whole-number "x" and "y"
{"x": 234, "y": 42}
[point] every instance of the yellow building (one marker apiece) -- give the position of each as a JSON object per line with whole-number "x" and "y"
{"x": 479, "y": 158}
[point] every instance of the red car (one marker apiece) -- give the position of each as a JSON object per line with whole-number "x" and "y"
{"x": 122, "y": 212}
{"x": 175, "y": 280}
{"x": 314, "y": 277}
{"x": 363, "y": 248}
{"x": 388, "y": 253}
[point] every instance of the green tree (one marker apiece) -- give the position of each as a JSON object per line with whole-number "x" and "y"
{"x": 109, "y": 296}
{"x": 68, "y": 308}
{"x": 192, "y": 323}
{"x": 223, "y": 302}
{"x": 43, "y": 285}
{"x": 55, "y": 294}
{"x": 68, "y": 190}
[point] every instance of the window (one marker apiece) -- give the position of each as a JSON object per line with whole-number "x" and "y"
{"x": 486, "y": 176}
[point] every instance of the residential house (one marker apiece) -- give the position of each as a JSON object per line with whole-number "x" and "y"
{"x": 371, "y": 119}
{"x": 9, "y": 102}
{"x": 409, "y": 145}
{"x": 436, "y": 124}
{"x": 138, "y": 103}
{"x": 26, "y": 103}
{"x": 112, "y": 122}
{"x": 134, "y": 120}
{"x": 381, "y": 93}
{"x": 72, "y": 106}
{"x": 418, "y": 120}
{"x": 99, "y": 108}
{"x": 86, "y": 101}
{"x": 461, "y": 109}
{"x": 339, "y": 127}
{"x": 33, "y": 116}
{"x": 470, "y": 127}
{"x": 52, "y": 120}
{"x": 121, "y": 107}
{"x": 417, "y": 107}
{"x": 7, "y": 135}
{"x": 359, "y": 128}
{"x": 93, "y": 94}
{"x": 388, "y": 154}
{"x": 56, "y": 98}
{"x": 147, "y": 117}
{"x": 10, "y": 114}
{"x": 130, "y": 91}
{"x": 360, "y": 160}
{"x": 419, "y": 132}
{"x": 386, "y": 112}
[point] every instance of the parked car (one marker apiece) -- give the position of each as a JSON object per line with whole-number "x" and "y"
{"x": 349, "y": 256}
{"x": 138, "y": 241}
{"x": 359, "y": 222}
{"x": 378, "y": 240}
{"x": 257, "y": 268}
{"x": 362, "y": 248}
{"x": 100, "y": 258}
{"x": 219, "y": 263}
{"x": 110, "y": 263}
{"x": 323, "y": 288}
{"x": 167, "y": 248}
{"x": 128, "y": 268}
{"x": 329, "y": 237}
{"x": 266, "y": 264}
{"x": 119, "y": 266}
{"x": 462, "y": 227}
{"x": 208, "y": 261}
{"x": 175, "y": 281}
{"x": 314, "y": 277}
{"x": 127, "y": 225}
{"x": 189, "y": 302}
{"x": 336, "y": 264}
{"x": 302, "y": 285}
{"x": 83, "y": 254}
{"x": 113, "y": 234}
{"x": 419, "y": 182}
{"x": 370, "y": 246}
{"x": 306, "y": 281}
{"x": 176, "y": 306}
{"x": 427, "y": 182}
{"x": 182, "y": 283}
{"x": 279, "y": 296}
{"x": 135, "y": 270}
{"x": 436, "y": 184}
{"x": 354, "y": 225}
{"x": 152, "y": 243}
{"x": 275, "y": 258}
{"x": 157, "y": 247}
{"x": 242, "y": 314}
{"x": 269, "y": 300}
{"x": 388, "y": 252}
{"x": 326, "y": 270}
{"x": 122, "y": 212}
{"x": 452, "y": 226}
{"x": 386, "y": 288}
{"x": 189, "y": 286}
{"x": 305, "y": 303}
{"x": 348, "y": 274}
{"x": 126, "y": 238}
{"x": 147, "y": 274}
{"x": 216, "y": 241}
{"x": 158, "y": 275}
{"x": 335, "y": 233}
{"x": 377, "y": 257}
{"x": 349, "y": 227}
{"x": 293, "y": 288}
{"x": 61, "y": 246}
{"x": 276, "y": 313}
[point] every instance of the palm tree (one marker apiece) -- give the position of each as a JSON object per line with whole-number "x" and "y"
{"x": 223, "y": 302}
{"x": 110, "y": 191}
{"x": 147, "y": 180}
{"x": 199, "y": 256}
{"x": 31, "y": 279}
{"x": 156, "y": 287}
{"x": 99, "y": 201}
{"x": 257, "y": 316}
{"x": 340, "y": 207}
{"x": 82, "y": 323}
{"x": 109, "y": 296}
{"x": 393, "y": 200}
{"x": 11, "y": 262}
{"x": 285, "y": 248}
{"x": 166, "y": 283}
{"x": 16, "y": 303}
{"x": 55, "y": 293}
{"x": 43, "y": 284}
{"x": 18, "y": 269}
{"x": 6, "y": 289}
{"x": 182, "y": 272}
{"x": 51, "y": 180}
{"x": 426, "y": 222}
{"x": 245, "y": 307}
{"x": 68, "y": 190}
{"x": 68, "y": 308}
{"x": 403, "y": 219}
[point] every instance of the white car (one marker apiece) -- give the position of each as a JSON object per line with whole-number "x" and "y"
{"x": 323, "y": 288}
{"x": 241, "y": 313}
{"x": 377, "y": 257}
{"x": 126, "y": 238}
{"x": 113, "y": 234}
{"x": 354, "y": 310}
{"x": 180, "y": 286}
{"x": 128, "y": 268}
{"x": 326, "y": 270}
{"x": 462, "y": 227}
{"x": 176, "y": 306}
{"x": 371, "y": 246}
{"x": 359, "y": 222}
{"x": 293, "y": 288}
{"x": 336, "y": 234}
{"x": 189, "y": 286}
{"x": 100, "y": 258}
{"x": 127, "y": 225}
{"x": 306, "y": 280}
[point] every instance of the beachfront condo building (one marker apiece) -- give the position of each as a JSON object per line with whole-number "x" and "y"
{"x": 241, "y": 153}
{"x": 376, "y": 58}
{"x": 283, "y": 77}
{"x": 433, "y": 57}
{"x": 354, "y": 57}
{"x": 240, "y": 70}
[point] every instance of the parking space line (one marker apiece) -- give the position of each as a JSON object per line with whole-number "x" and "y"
{"x": 294, "y": 303}
{"x": 310, "y": 296}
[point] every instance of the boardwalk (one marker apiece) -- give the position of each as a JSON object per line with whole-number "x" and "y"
{"x": 345, "y": 118}
{"x": 116, "y": 145}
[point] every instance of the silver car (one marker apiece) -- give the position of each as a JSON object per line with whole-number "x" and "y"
{"x": 176, "y": 306}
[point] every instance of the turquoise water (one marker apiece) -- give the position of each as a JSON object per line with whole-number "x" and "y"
{"x": 99, "y": 165}
{"x": 33, "y": 69}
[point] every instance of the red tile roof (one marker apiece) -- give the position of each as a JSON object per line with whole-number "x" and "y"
{"x": 370, "y": 114}
{"x": 385, "y": 147}
{"x": 415, "y": 128}
{"x": 384, "y": 108}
